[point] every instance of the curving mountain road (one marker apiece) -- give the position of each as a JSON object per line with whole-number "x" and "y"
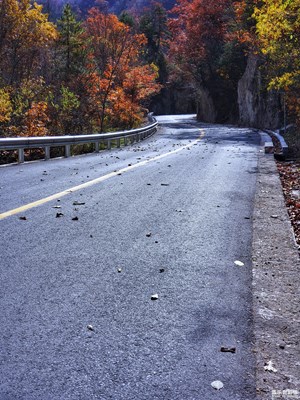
{"x": 165, "y": 217}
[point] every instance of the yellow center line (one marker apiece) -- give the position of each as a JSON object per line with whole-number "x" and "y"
{"x": 94, "y": 181}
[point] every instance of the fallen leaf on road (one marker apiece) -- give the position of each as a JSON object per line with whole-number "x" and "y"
{"x": 119, "y": 270}
{"x": 228, "y": 349}
{"x": 165, "y": 184}
{"x": 23, "y": 218}
{"x": 154, "y": 297}
{"x": 239, "y": 263}
{"x": 162, "y": 270}
{"x": 269, "y": 367}
{"x": 274, "y": 216}
{"x": 78, "y": 203}
{"x": 56, "y": 207}
{"x": 75, "y": 219}
{"x": 59, "y": 214}
{"x": 217, "y": 385}
{"x": 148, "y": 234}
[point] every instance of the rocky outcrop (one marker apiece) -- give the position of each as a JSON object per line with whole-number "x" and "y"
{"x": 257, "y": 106}
{"x": 206, "y": 111}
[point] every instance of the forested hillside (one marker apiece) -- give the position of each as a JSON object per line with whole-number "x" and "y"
{"x": 84, "y": 69}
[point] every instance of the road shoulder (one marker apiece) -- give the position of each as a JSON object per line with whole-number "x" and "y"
{"x": 276, "y": 279}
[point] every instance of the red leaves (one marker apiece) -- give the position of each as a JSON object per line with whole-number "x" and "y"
{"x": 197, "y": 30}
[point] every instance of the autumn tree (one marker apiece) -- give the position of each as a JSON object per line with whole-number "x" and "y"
{"x": 82, "y": 77}
{"x": 113, "y": 52}
{"x": 26, "y": 36}
{"x": 278, "y": 29}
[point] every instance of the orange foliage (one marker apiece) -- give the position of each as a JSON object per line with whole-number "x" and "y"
{"x": 139, "y": 83}
{"x": 114, "y": 69}
{"x": 36, "y": 119}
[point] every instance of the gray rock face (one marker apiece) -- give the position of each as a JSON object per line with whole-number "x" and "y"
{"x": 206, "y": 111}
{"x": 257, "y": 107}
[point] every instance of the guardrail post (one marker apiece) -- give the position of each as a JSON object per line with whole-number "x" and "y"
{"x": 118, "y": 143}
{"x": 47, "y": 152}
{"x": 96, "y": 147}
{"x": 108, "y": 144}
{"x": 21, "y": 155}
{"x": 125, "y": 140}
{"x": 67, "y": 150}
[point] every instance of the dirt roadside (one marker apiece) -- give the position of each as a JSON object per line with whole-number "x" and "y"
{"x": 276, "y": 283}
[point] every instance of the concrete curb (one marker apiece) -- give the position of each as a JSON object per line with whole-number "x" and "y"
{"x": 269, "y": 147}
{"x": 276, "y": 282}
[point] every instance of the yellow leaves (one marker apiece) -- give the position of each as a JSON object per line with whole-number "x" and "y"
{"x": 5, "y": 106}
{"x": 277, "y": 26}
{"x": 285, "y": 81}
{"x": 36, "y": 28}
{"x": 28, "y": 24}
{"x": 276, "y": 23}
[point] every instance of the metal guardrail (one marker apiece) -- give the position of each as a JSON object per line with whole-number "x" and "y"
{"x": 104, "y": 139}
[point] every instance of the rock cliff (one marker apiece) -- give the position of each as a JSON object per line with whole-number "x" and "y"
{"x": 257, "y": 106}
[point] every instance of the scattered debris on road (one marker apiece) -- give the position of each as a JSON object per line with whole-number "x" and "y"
{"x": 239, "y": 263}
{"x": 90, "y": 328}
{"x": 154, "y": 297}
{"x": 269, "y": 367}
{"x": 217, "y": 385}
{"x": 23, "y": 218}
{"x": 75, "y": 219}
{"x": 59, "y": 214}
{"x": 228, "y": 349}
{"x": 78, "y": 203}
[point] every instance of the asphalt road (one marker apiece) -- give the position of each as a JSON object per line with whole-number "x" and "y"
{"x": 77, "y": 320}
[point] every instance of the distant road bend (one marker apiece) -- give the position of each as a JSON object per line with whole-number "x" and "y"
{"x": 118, "y": 274}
